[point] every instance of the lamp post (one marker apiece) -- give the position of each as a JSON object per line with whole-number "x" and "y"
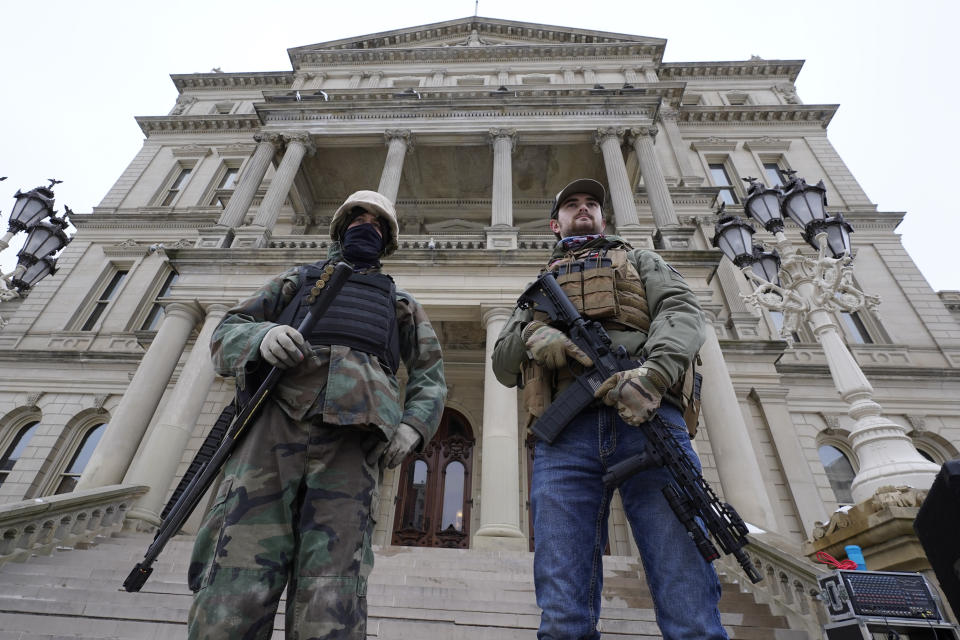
{"x": 33, "y": 214}
{"x": 811, "y": 290}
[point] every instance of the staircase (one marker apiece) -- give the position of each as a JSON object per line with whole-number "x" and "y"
{"x": 414, "y": 594}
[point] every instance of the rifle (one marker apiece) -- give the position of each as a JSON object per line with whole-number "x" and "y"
{"x": 321, "y": 296}
{"x": 690, "y": 496}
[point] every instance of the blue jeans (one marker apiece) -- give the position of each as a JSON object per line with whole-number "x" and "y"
{"x": 570, "y": 513}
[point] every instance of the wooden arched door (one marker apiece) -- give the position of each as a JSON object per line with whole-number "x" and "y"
{"x": 433, "y": 501}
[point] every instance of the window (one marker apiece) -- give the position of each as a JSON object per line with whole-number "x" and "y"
{"x": 176, "y": 186}
{"x": 775, "y": 175}
{"x": 15, "y": 450}
{"x": 225, "y": 187}
{"x": 103, "y": 300}
{"x": 738, "y": 98}
{"x": 718, "y": 172}
{"x": 856, "y": 329}
{"x": 839, "y": 472}
{"x": 453, "y": 497}
{"x": 156, "y": 311}
{"x": 70, "y": 477}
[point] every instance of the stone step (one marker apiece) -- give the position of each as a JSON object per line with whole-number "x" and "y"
{"x": 428, "y": 594}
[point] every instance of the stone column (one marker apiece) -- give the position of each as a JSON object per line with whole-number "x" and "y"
{"x": 436, "y": 77}
{"x": 243, "y": 194}
{"x": 630, "y": 75}
{"x": 661, "y": 204}
{"x": 589, "y": 75}
{"x": 501, "y": 234}
{"x": 399, "y": 144}
{"x": 258, "y": 234}
{"x": 608, "y": 139}
{"x": 650, "y": 74}
{"x": 160, "y": 456}
{"x": 500, "y": 467}
{"x": 119, "y": 443}
{"x": 375, "y": 77}
{"x": 743, "y": 484}
{"x": 569, "y": 76}
{"x": 504, "y": 142}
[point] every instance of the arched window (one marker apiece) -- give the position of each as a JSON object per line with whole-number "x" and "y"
{"x": 15, "y": 450}
{"x": 839, "y": 472}
{"x": 414, "y": 514}
{"x": 71, "y": 475}
{"x": 453, "y": 485}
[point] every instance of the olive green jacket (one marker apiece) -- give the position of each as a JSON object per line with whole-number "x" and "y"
{"x": 676, "y": 321}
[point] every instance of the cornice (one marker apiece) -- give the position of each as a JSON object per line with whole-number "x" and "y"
{"x": 499, "y": 53}
{"x": 255, "y": 80}
{"x": 461, "y": 28}
{"x": 208, "y": 123}
{"x": 759, "y": 114}
{"x": 734, "y": 69}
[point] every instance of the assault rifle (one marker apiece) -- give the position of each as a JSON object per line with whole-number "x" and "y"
{"x": 321, "y": 296}
{"x": 689, "y": 495}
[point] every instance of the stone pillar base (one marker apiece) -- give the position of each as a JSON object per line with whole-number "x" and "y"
{"x": 215, "y": 237}
{"x": 881, "y": 526}
{"x": 678, "y": 238}
{"x": 501, "y": 238}
{"x": 496, "y": 538}
{"x": 251, "y": 237}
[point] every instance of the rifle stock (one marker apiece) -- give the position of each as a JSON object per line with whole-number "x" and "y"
{"x": 690, "y": 496}
{"x": 331, "y": 282}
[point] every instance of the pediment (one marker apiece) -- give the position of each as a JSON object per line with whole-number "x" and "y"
{"x": 477, "y": 32}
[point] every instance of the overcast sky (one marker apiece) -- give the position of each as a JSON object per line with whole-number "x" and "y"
{"x": 76, "y": 73}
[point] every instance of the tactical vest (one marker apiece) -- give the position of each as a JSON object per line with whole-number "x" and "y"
{"x": 603, "y": 285}
{"x": 362, "y": 317}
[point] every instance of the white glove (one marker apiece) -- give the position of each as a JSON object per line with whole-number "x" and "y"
{"x": 373, "y": 447}
{"x": 281, "y": 347}
{"x": 404, "y": 440}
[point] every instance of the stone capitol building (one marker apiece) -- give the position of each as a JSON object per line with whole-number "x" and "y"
{"x": 107, "y": 390}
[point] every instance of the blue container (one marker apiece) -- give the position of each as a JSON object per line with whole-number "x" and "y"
{"x": 855, "y": 554}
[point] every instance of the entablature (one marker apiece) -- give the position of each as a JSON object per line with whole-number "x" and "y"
{"x": 759, "y": 114}
{"x": 733, "y": 69}
{"x": 253, "y": 80}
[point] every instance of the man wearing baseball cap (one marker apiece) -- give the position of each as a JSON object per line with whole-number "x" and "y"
{"x": 645, "y": 306}
{"x": 298, "y": 497}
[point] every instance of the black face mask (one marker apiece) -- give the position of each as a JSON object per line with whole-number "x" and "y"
{"x": 362, "y": 245}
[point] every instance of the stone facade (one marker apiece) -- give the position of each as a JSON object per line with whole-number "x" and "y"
{"x": 473, "y": 125}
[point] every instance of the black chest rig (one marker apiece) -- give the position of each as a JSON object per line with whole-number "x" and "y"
{"x": 362, "y": 317}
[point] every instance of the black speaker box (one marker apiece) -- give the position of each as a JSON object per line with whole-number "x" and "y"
{"x": 938, "y": 527}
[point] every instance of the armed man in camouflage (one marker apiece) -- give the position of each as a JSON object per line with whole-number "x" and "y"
{"x": 298, "y": 498}
{"x": 645, "y": 306}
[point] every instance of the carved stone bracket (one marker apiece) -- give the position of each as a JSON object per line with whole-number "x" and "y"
{"x": 403, "y": 134}
{"x": 603, "y": 133}
{"x": 303, "y": 138}
{"x": 497, "y": 133}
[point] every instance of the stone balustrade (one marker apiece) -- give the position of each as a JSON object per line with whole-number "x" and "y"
{"x": 41, "y": 525}
{"x": 789, "y": 584}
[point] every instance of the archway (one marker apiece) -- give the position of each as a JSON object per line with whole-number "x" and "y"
{"x": 433, "y": 502}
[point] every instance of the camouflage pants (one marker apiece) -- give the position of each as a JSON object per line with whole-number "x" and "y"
{"x": 294, "y": 509}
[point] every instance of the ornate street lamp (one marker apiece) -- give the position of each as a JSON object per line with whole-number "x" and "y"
{"x": 45, "y": 238}
{"x": 812, "y": 290}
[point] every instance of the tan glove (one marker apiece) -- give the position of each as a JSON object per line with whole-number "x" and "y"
{"x": 281, "y": 347}
{"x": 550, "y": 347}
{"x": 636, "y": 393}
{"x": 404, "y": 440}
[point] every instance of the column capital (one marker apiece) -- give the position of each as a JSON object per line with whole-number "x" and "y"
{"x": 646, "y": 130}
{"x": 399, "y": 134}
{"x": 498, "y": 133}
{"x": 490, "y": 313}
{"x": 189, "y": 309}
{"x": 217, "y": 307}
{"x": 271, "y": 138}
{"x": 602, "y": 134}
{"x": 301, "y": 137}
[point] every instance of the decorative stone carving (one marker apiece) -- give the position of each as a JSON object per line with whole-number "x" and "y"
{"x": 833, "y": 422}
{"x": 191, "y": 150}
{"x": 303, "y": 138}
{"x": 889, "y": 496}
{"x": 919, "y": 423}
{"x": 403, "y": 134}
{"x": 33, "y": 399}
{"x": 856, "y": 517}
{"x": 787, "y": 92}
{"x": 603, "y": 133}
{"x": 182, "y": 104}
{"x": 496, "y": 133}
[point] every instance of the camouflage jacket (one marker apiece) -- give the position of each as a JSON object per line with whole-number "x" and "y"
{"x": 676, "y": 321}
{"x": 338, "y": 385}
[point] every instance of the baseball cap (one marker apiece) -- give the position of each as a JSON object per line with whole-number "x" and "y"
{"x": 582, "y": 185}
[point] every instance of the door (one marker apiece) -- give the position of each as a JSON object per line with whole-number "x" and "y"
{"x": 433, "y": 502}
